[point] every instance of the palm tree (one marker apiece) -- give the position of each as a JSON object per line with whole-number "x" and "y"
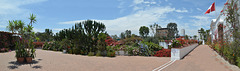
{"x": 32, "y": 19}
{"x": 11, "y": 26}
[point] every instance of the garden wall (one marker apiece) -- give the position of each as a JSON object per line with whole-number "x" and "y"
{"x": 179, "y": 53}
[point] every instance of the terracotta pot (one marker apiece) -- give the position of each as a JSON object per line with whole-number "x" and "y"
{"x": 20, "y": 59}
{"x": 29, "y": 59}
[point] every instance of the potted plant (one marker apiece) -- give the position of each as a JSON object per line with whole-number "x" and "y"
{"x": 31, "y": 55}
{"x": 30, "y": 52}
{"x": 20, "y": 53}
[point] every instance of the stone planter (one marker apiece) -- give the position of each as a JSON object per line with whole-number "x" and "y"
{"x": 179, "y": 53}
{"x": 29, "y": 59}
{"x": 64, "y": 51}
{"x": 20, "y": 59}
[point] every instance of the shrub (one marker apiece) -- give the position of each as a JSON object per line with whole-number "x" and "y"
{"x": 45, "y": 46}
{"x": 91, "y": 54}
{"x": 133, "y": 50}
{"x": 153, "y": 46}
{"x": 98, "y": 53}
{"x": 181, "y": 41}
{"x": 111, "y": 54}
{"x": 217, "y": 47}
{"x": 200, "y": 42}
{"x": 76, "y": 50}
{"x": 238, "y": 61}
{"x": 152, "y": 39}
{"x": 175, "y": 44}
{"x": 163, "y": 53}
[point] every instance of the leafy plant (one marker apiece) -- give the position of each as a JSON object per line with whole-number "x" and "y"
{"x": 175, "y": 44}
{"x": 98, "y": 53}
{"x": 101, "y": 43}
{"x": 91, "y": 54}
{"x": 217, "y": 47}
{"x": 111, "y": 54}
{"x": 20, "y": 51}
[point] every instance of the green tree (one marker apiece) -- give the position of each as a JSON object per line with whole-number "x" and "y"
{"x": 32, "y": 19}
{"x": 144, "y": 31}
{"x": 122, "y": 35}
{"x": 49, "y": 34}
{"x": 115, "y": 37}
{"x": 154, "y": 27}
{"x": 172, "y": 30}
{"x": 195, "y": 37}
{"x": 11, "y": 26}
{"x": 202, "y": 33}
{"x": 186, "y": 37}
{"x": 128, "y": 33}
{"x": 92, "y": 30}
{"x": 20, "y": 26}
{"x": 15, "y": 25}
{"x": 101, "y": 43}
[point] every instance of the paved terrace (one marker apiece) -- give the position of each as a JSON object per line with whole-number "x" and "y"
{"x": 202, "y": 58}
{"x": 57, "y": 61}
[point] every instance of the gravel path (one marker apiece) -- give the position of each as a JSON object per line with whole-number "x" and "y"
{"x": 57, "y": 61}
{"x": 202, "y": 58}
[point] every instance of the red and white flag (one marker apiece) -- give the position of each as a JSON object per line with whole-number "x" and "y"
{"x": 211, "y": 8}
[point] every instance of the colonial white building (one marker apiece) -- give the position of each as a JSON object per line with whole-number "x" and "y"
{"x": 219, "y": 29}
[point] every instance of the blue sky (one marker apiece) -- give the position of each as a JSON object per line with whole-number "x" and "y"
{"x": 117, "y": 15}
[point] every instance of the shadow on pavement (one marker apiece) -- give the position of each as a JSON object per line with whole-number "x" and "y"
{"x": 16, "y": 64}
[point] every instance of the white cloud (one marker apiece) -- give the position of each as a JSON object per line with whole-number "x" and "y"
{"x": 143, "y": 4}
{"x": 202, "y": 21}
{"x": 138, "y": 1}
{"x": 134, "y": 21}
{"x": 13, "y": 6}
{"x": 181, "y": 11}
{"x": 2, "y": 26}
{"x": 57, "y": 29}
{"x": 11, "y": 9}
{"x": 166, "y": 0}
{"x": 38, "y": 30}
{"x": 180, "y": 17}
{"x": 199, "y": 9}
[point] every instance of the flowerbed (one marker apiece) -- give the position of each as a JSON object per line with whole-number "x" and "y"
{"x": 180, "y": 42}
{"x": 38, "y": 44}
{"x": 163, "y": 53}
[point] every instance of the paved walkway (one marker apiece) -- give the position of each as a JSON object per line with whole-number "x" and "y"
{"x": 201, "y": 58}
{"x": 57, "y": 61}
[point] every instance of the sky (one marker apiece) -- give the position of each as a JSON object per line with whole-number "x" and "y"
{"x": 117, "y": 15}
